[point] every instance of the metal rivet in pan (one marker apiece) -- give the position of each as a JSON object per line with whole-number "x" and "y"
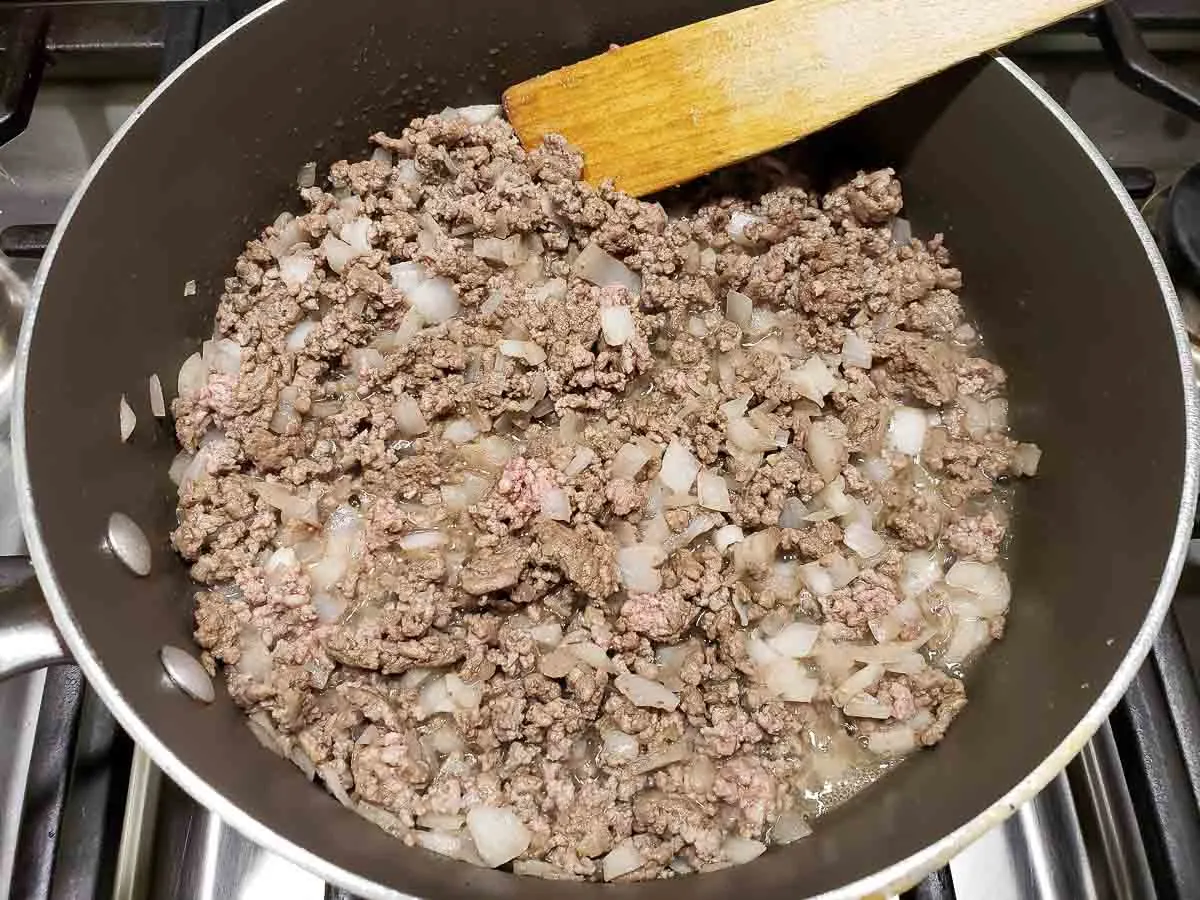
{"x": 187, "y": 673}
{"x": 128, "y": 543}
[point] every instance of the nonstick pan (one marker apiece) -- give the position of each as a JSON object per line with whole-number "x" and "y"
{"x": 1060, "y": 271}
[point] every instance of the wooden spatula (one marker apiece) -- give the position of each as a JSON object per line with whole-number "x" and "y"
{"x": 666, "y": 109}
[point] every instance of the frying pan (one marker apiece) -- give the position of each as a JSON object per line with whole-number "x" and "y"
{"x": 1060, "y": 271}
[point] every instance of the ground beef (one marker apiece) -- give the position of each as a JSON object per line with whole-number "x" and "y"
{"x": 432, "y": 487}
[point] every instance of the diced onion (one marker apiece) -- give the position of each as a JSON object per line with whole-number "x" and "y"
{"x": 813, "y": 380}
{"x": 638, "y": 564}
{"x": 789, "y": 828}
{"x": 906, "y": 430}
{"x": 498, "y": 833}
{"x": 617, "y": 324}
{"x": 895, "y": 741}
{"x": 619, "y": 746}
{"x": 737, "y": 227}
{"x": 986, "y": 581}
{"x": 919, "y": 571}
{"x": 127, "y": 418}
{"x": 356, "y": 233}
{"x": 817, "y": 579}
{"x": 158, "y": 403}
{"x": 526, "y": 350}
{"x": 338, "y": 253}
{"x": 795, "y": 640}
{"x": 824, "y": 450}
{"x": 409, "y": 419}
{"x": 479, "y": 113}
{"x": 756, "y": 551}
{"x": 407, "y": 276}
{"x": 788, "y": 680}
{"x": 435, "y": 299}
{"x": 713, "y": 491}
{"x": 679, "y": 467}
{"x": 460, "y": 431}
{"x": 867, "y": 707}
{"x": 841, "y": 570}
{"x": 727, "y": 536}
{"x": 644, "y": 692}
{"x": 628, "y": 461}
{"x": 856, "y": 352}
{"x": 1026, "y": 459}
{"x": 863, "y": 540}
{"x": 555, "y": 504}
{"x": 295, "y": 270}
{"x": 739, "y": 850}
{"x": 739, "y": 309}
{"x": 968, "y": 637}
{"x": 583, "y": 458}
{"x": 307, "y": 176}
{"x": 594, "y": 265}
{"x": 676, "y": 753}
{"x": 902, "y": 233}
{"x": 621, "y": 860}
{"x": 857, "y": 683}
{"x": 224, "y": 356}
{"x": 509, "y": 251}
{"x": 423, "y": 540}
{"x": 743, "y": 435}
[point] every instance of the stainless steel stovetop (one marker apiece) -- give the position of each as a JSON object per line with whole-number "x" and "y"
{"x": 84, "y": 814}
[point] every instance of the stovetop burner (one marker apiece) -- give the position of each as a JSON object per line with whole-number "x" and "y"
{"x": 84, "y": 814}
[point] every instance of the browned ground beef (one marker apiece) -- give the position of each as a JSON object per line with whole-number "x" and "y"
{"x": 428, "y": 585}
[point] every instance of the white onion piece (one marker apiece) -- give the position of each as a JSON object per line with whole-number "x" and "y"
{"x": 328, "y": 607}
{"x": 434, "y": 698}
{"x": 796, "y": 640}
{"x": 470, "y": 491}
{"x": 338, "y": 253}
{"x": 435, "y": 299}
{"x": 617, "y": 324}
{"x": 756, "y": 551}
{"x": 736, "y": 408}
{"x": 526, "y": 350}
{"x": 619, "y": 746}
{"x": 628, "y": 461}
{"x": 189, "y": 288}
{"x": 737, "y": 227}
{"x": 423, "y": 540}
{"x": 739, "y": 850}
{"x": 889, "y": 742}
{"x": 299, "y": 334}
{"x": 406, "y": 173}
{"x": 224, "y": 356}
{"x": 409, "y": 419}
{"x": 906, "y": 430}
{"x": 1026, "y": 459}
{"x": 307, "y": 176}
{"x": 817, "y": 579}
{"x": 128, "y": 420}
{"x": 739, "y": 309}
{"x": 547, "y": 635}
{"x": 743, "y": 435}
{"x": 841, "y": 570}
{"x": 356, "y": 233}
{"x": 789, "y": 828}
{"x": 638, "y": 564}
{"x": 408, "y": 276}
{"x": 448, "y": 822}
{"x": 286, "y": 502}
{"x": 583, "y": 458}
{"x": 919, "y": 571}
{"x": 498, "y": 833}
{"x": 679, "y": 467}
{"x": 863, "y": 540}
{"x": 508, "y": 251}
{"x": 788, "y": 680}
{"x": 968, "y": 637}
{"x": 555, "y": 504}
{"x": 997, "y": 409}
{"x": 902, "y": 233}
{"x": 792, "y": 513}
{"x": 875, "y": 469}
{"x": 479, "y": 113}
{"x": 713, "y": 491}
{"x": 813, "y": 380}
{"x": 726, "y": 536}
{"x": 289, "y": 233}
{"x": 621, "y": 860}
{"x": 698, "y": 526}
{"x": 825, "y": 450}
{"x": 460, "y": 431}
{"x": 856, "y": 352}
{"x": 193, "y": 376}
{"x": 644, "y": 692}
{"x": 975, "y": 416}
{"x": 295, "y": 270}
{"x": 179, "y": 467}
{"x": 465, "y": 696}
{"x": 676, "y": 753}
{"x": 857, "y": 683}
{"x": 866, "y": 707}
{"x": 594, "y": 265}
{"x": 986, "y": 581}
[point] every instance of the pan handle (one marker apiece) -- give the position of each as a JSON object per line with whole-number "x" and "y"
{"x": 28, "y": 638}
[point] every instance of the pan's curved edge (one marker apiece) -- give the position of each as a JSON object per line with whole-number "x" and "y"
{"x": 68, "y": 626}
{"x": 895, "y": 878}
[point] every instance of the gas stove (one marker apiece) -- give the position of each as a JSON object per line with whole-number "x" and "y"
{"x": 83, "y": 813}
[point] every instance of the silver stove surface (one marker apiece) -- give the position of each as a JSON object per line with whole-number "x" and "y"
{"x": 172, "y": 849}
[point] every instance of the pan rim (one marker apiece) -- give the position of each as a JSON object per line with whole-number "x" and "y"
{"x": 894, "y": 878}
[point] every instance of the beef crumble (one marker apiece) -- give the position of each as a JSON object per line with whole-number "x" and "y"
{"x": 543, "y": 527}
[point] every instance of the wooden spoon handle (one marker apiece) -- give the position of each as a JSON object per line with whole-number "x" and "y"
{"x": 677, "y": 105}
